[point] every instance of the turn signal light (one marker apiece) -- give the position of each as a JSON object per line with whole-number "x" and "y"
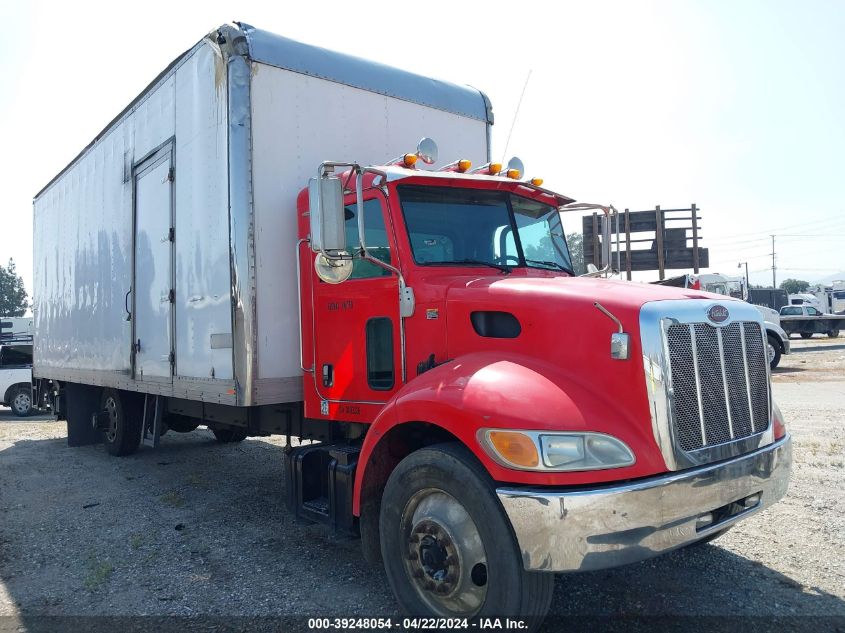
{"x": 514, "y": 448}
{"x": 536, "y": 181}
{"x": 514, "y": 174}
{"x": 409, "y": 160}
{"x": 464, "y": 165}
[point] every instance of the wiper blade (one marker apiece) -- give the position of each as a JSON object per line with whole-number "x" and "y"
{"x": 554, "y": 265}
{"x": 475, "y": 262}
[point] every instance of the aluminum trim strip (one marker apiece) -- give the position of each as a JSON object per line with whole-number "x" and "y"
{"x": 694, "y": 343}
{"x": 268, "y": 48}
{"x": 747, "y": 380}
{"x": 200, "y": 389}
{"x": 725, "y": 382}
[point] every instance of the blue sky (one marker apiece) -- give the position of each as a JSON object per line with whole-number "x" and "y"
{"x": 736, "y": 106}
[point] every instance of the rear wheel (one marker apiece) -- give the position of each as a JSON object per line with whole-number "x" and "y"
{"x": 833, "y": 334}
{"x": 227, "y": 436}
{"x": 806, "y": 335}
{"x": 122, "y": 436}
{"x": 447, "y": 546}
{"x": 774, "y": 351}
{"x": 21, "y": 402}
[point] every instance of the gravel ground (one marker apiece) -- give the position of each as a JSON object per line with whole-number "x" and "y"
{"x": 198, "y": 528}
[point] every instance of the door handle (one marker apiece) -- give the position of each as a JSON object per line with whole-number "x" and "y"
{"x": 126, "y": 304}
{"x": 328, "y": 375}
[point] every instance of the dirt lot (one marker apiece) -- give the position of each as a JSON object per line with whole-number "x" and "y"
{"x": 198, "y": 528}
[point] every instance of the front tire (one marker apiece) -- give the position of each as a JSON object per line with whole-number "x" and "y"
{"x": 21, "y": 402}
{"x": 774, "y": 351}
{"x": 123, "y": 435}
{"x": 447, "y": 545}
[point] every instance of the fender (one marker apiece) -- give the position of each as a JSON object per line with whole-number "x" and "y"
{"x": 512, "y": 391}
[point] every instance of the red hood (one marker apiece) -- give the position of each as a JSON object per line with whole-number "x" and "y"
{"x": 562, "y": 297}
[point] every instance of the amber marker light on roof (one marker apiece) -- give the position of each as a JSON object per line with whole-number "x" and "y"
{"x": 409, "y": 160}
{"x": 536, "y": 181}
{"x": 464, "y": 165}
{"x": 514, "y": 174}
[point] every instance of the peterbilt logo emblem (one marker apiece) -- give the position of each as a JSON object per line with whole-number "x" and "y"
{"x": 718, "y": 314}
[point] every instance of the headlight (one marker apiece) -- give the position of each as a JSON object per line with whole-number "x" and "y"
{"x": 559, "y": 452}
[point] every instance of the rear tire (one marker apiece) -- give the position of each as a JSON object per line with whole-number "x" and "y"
{"x": 123, "y": 437}
{"x": 774, "y": 351}
{"x": 447, "y": 545}
{"x": 230, "y": 435}
{"x": 806, "y": 335}
{"x": 21, "y": 402}
{"x": 833, "y": 334}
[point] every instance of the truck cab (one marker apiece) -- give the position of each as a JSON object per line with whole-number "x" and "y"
{"x": 497, "y": 393}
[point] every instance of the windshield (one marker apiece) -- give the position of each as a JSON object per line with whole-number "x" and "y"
{"x": 729, "y": 288}
{"x": 449, "y": 226}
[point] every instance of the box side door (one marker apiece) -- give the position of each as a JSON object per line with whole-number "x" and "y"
{"x": 154, "y": 356}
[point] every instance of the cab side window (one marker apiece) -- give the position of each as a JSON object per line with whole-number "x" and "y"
{"x": 375, "y": 235}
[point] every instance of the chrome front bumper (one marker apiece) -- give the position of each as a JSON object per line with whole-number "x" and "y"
{"x": 569, "y": 530}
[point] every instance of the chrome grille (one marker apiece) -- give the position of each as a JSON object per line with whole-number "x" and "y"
{"x": 720, "y": 389}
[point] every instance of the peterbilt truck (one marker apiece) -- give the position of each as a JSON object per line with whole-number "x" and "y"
{"x": 259, "y": 244}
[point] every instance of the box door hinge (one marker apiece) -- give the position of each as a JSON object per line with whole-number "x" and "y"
{"x": 171, "y": 234}
{"x": 171, "y": 174}
{"x": 172, "y": 295}
{"x": 172, "y": 358}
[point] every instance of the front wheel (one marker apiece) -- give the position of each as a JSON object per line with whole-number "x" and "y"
{"x": 773, "y": 349}
{"x": 21, "y": 402}
{"x": 447, "y": 546}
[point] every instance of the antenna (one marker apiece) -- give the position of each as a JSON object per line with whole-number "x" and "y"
{"x": 515, "y": 115}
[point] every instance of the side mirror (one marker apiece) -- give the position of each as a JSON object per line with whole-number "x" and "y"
{"x": 328, "y": 221}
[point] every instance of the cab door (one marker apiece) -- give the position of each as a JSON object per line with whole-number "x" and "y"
{"x": 357, "y": 355}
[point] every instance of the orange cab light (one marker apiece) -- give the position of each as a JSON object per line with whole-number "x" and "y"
{"x": 464, "y": 165}
{"x": 515, "y": 448}
{"x": 514, "y": 174}
{"x": 494, "y": 168}
{"x": 409, "y": 160}
{"x": 536, "y": 181}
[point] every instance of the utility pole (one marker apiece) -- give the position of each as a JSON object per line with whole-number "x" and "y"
{"x": 774, "y": 267}
{"x": 747, "y": 280}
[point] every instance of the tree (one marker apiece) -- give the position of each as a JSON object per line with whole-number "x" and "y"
{"x": 576, "y": 250}
{"x": 13, "y": 298}
{"x": 794, "y": 286}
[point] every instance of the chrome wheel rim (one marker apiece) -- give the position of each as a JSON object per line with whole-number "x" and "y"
{"x": 22, "y": 402}
{"x": 444, "y": 556}
{"x": 771, "y": 351}
{"x": 111, "y": 408}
